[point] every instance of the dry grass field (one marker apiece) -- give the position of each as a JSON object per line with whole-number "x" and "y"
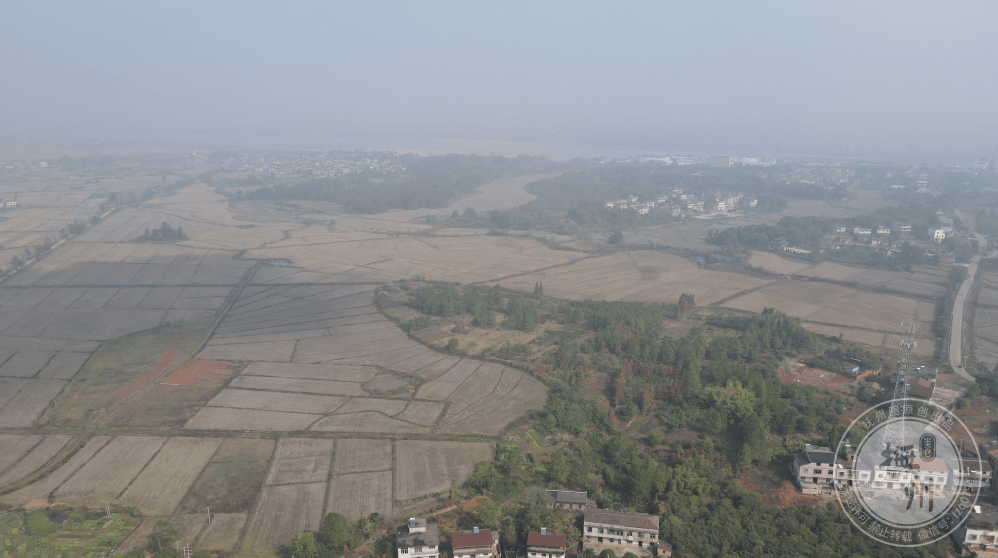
{"x": 106, "y": 475}
{"x": 832, "y": 305}
{"x": 361, "y": 494}
{"x": 43, "y": 488}
{"x": 15, "y": 463}
{"x": 283, "y": 511}
{"x": 984, "y": 328}
{"x": 425, "y": 467}
{"x": 166, "y": 479}
{"x": 639, "y": 275}
{"x": 302, "y": 460}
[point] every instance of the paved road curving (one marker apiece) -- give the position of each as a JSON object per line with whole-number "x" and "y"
{"x": 956, "y": 331}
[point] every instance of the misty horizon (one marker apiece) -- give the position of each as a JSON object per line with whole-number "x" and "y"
{"x": 904, "y": 82}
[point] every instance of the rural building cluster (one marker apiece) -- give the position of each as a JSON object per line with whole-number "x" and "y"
{"x": 678, "y": 203}
{"x": 326, "y": 164}
{"x": 620, "y": 532}
{"x": 818, "y": 470}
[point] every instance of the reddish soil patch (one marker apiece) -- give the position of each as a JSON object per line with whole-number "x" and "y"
{"x": 773, "y": 484}
{"x": 595, "y": 384}
{"x": 130, "y": 389}
{"x": 199, "y": 373}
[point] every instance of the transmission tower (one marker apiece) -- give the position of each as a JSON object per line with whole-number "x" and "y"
{"x": 894, "y": 432}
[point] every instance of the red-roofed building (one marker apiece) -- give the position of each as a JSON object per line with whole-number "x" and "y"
{"x": 477, "y": 543}
{"x": 546, "y": 545}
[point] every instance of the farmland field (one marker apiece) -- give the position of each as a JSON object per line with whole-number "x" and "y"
{"x": 273, "y": 522}
{"x": 163, "y": 483}
{"x": 109, "y": 473}
{"x": 428, "y": 466}
{"x": 178, "y": 376}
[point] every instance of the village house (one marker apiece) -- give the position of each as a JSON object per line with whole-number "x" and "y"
{"x": 476, "y": 543}
{"x": 619, "y": 531}
{"x": 862, "y": 230}
{"x": 883, "y": 230}
{"x": 813, "y": 470}
{"x": 905, "y": 229}
{"x": 569, "y": 500}
{"x": 417, "y": 539}
{"x": 921, "y": 388}
{"x": 976, "y": 475}
{"x": 937, "y": 234}
{"x": 840, "y": 229}
{"x": 546, "y": 545}
{"x": 979, "y": 533}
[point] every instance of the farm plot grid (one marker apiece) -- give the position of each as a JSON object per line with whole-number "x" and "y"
{"x": 314, "y": 352}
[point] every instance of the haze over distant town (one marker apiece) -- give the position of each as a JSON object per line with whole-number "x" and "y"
{"x": 912, "y": 82}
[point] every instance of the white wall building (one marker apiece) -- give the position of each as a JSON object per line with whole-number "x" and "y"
{"x": 417, "y": 539}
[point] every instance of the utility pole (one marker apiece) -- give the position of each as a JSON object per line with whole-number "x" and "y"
{"x": 209, "y": 515}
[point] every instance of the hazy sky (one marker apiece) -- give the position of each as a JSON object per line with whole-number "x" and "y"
{"x": 919, "y": 75}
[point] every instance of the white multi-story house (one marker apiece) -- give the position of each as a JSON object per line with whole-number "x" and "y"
{"x": 938, "y": 234}
{"x": 862, "y": 230}
{"x": 979, "y": 533}
{"x": 477, "y": 543}
{"x": 620, "y": 531}
{"x": 977, "y": 474}
{"x": 883, "y": 230}
{"x": 546, "y": 545}
{"x": 813, "y": 470}
{"x": 417, "y": 539}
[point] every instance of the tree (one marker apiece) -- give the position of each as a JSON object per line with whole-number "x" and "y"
{"x": 163, "y": 535}
{"x": 201, "y": 554}
{"x": 303, "y": 545}
{"x": 616, "y": 237}
{"x": 490, "y": 513}
{"x": 451, "y": 345}
{"x": 16, "y": 262}
{"x": 335, "y": 530}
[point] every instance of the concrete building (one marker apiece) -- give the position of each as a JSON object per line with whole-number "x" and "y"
{"x": 619, "y": 531}
{"x": 476, "y": 543}
{"x": 569, "y": 500}
{"x": 719, "y": 161}
{"x": 979, "y": 533}
{"x": 813, "y": 470}
{"x": 977, "y": 474}
{"x": 546, "y": 545}
{"x": 417, "y": 539}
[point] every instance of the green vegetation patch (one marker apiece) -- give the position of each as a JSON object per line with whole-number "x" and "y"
{"x": 121, "y": 367}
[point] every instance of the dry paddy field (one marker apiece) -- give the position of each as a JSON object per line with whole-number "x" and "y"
{"x": 984, "y": 328}
{"x": 640, "y": 275}
{"x": 313, "y": 352}
{"x": 868, "y": 317}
